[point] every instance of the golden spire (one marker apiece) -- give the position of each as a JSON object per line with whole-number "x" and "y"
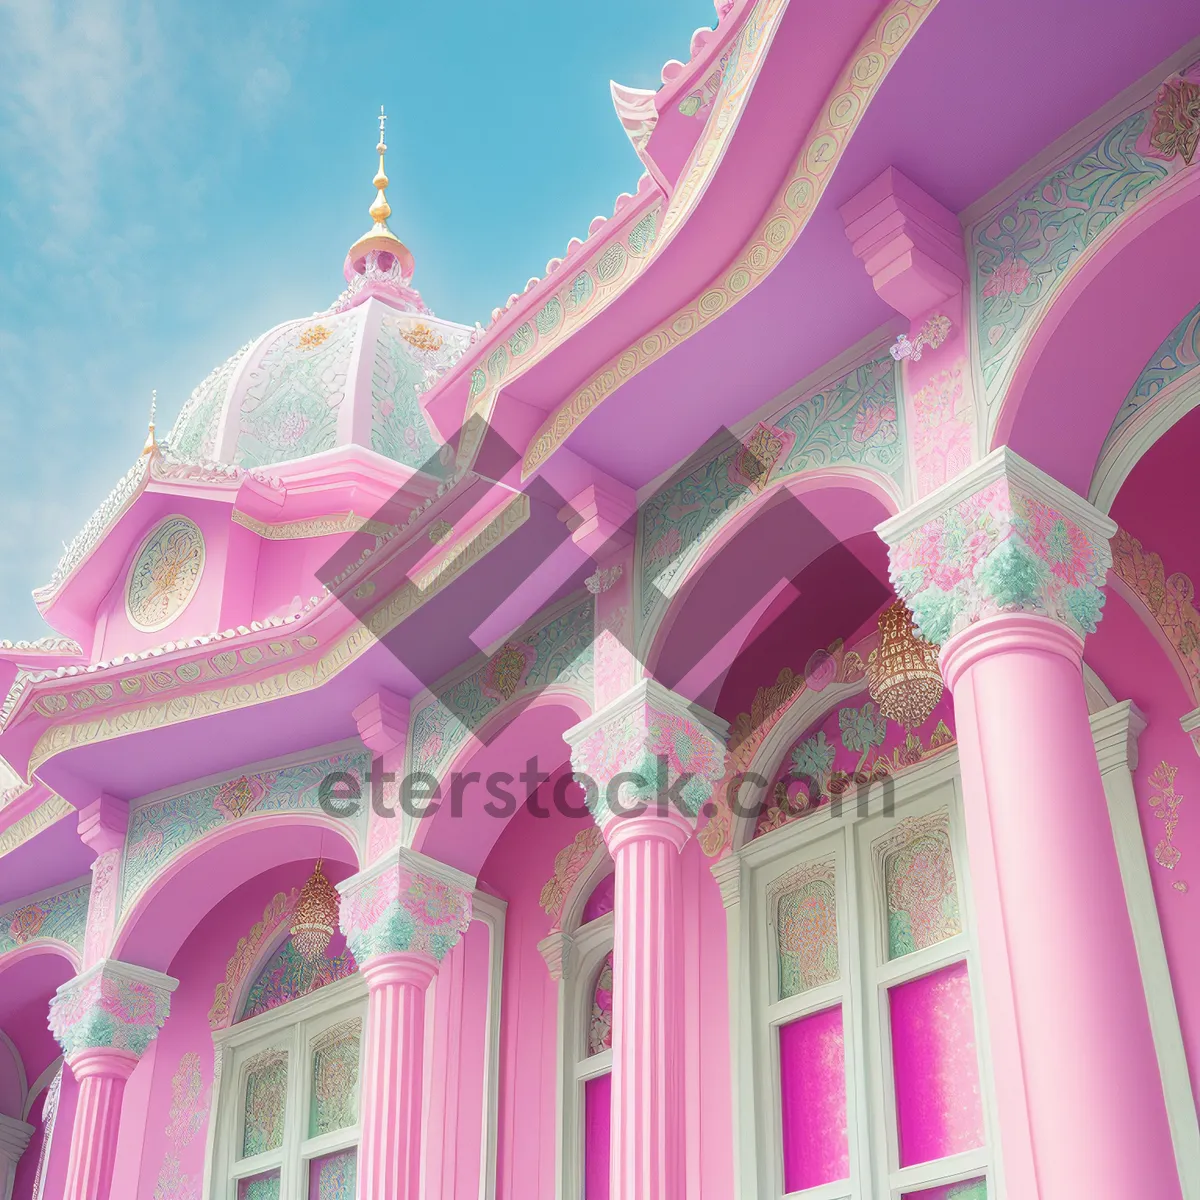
{"x": 151, "y": 445}
{"x": 380, "y": 238}
{"x": 380, "y": 210}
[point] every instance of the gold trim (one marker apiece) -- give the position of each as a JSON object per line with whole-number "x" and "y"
{"x": 281, "y": 531}
{"x": 34, "y": 822}
{"x": 783, "y": 223}
{"x": 381, "y": 621}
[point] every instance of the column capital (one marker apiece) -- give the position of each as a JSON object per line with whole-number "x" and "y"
{"x": 103, "y": 823}
{"x": 113, "y": 1005}
{"x": 1115, "y": 731}
{"x": 1002, "y": 537}
{"x": 727, "y": 872}
{"x": 405, "y": 902}
{"x": 654, "y": 744}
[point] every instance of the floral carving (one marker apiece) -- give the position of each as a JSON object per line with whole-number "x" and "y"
{"x": 933, "y": 333}
{"x": 943, "y": 428}
{"x": 313, "y": 336}
{"x": 1167, "y": 597}
{"x": 507, "y": 670}
{"x": 186, "y": 1114}
{"x": 421, "y": 337}
{"x": 165, "y": 574}
{"x": 1000, "y": 550}
{"x": 753, "y": 463}
{"x": 249, "y": 950}
{"x": 603, "y": 579}
{"x": 569, "y": 864}
{"x": 110, "y": 1005}
{"x": 1164, "y": 803}
{"x": 400, "y": 908}
{"x": 60, "y": 916}
{"x": 1176, "y": 127}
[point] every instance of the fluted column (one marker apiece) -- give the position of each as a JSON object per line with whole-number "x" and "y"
{"x": 648, "y": 762}
{"x": 1003, "y": 569}
{"x": 104, "y": 1020}
{"x": 401, "y": 917}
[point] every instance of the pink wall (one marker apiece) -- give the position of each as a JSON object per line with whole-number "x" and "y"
{"x": 519, "y": 865}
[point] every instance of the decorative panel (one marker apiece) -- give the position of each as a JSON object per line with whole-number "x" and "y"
{"x": 335, "y": 1078}
{"x": 966, "y": 1189}
{"x": 600, "y": 1024}
{"x": 288, "y": 975}
{"x": 408, "y": 358}
{"x": 812, "y": 1082}
{"x": 265, "y": 1103}
{"x": 333, "y": 1177}
{"x": 259, "y": 1187}
{"x": 938, "y": 1107}
{"x": 165, "y": 574}
{"x": 60, "y": 916}
{"x": 158, "y": 831}
{"x": 920, "y": 887}
{"x": 806, "y": 928}
{"x": 597, "y": 1137}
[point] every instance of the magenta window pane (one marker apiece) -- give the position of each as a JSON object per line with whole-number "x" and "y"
{"x": 601, "y": 899}
{"x": 938, "y": 1110}
{"x": 968, "y": 1189}
{"x": 812, "y": 1080}
{"x": 597, "y": 1132}
{"x": 333, "y": 1177}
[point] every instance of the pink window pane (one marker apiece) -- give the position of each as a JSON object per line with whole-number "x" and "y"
{"x": 938, "y": 1109}
{"x": 601, "y": 899}
{"x": 967, "y": 1189}
{"x": 597, "y": 1132}
{"x": 259, "y": 1187}
{"x": 812, "y": 1080}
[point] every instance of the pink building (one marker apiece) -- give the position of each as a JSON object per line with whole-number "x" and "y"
{"x": 502, "y": 764}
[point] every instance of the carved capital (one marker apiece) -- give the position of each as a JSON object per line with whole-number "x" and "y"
{"x": 1116, "y": 730}
{"x": 405, "y": 902}
{"x": 727, "y": 872}
{"x": 1002, "y": 537}
{"x": 649, "y": 746}
{"x": 113, "y": 1005}
{"x": 556, "y": 950}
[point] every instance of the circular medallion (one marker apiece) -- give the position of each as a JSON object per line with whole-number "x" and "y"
{"x": 165, "y": 574}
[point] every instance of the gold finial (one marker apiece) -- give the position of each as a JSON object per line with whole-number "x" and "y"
{"x": 151, "y": 445}
{"x": 380, "y": 210}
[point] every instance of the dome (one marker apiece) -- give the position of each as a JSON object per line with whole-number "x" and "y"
{"x": 350, "y": 375}
{"x": 311, "y": 385}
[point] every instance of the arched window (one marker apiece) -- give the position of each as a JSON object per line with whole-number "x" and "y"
{"x": 288, "y": 1102}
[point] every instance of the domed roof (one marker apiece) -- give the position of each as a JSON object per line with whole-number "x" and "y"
{"x": 352, "y": 374}
{"x": 313, "y": 384}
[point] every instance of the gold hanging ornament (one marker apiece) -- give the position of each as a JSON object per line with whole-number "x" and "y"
{"x": 316, "y": 916}
{"x": 902, "y": 673}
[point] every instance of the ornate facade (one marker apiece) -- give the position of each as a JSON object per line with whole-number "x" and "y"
{"x": 723, "y": 731}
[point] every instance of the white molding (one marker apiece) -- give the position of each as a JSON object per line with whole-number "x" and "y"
{"x": 1155, "y": 418}
{"x": 1116, "y": 732}
{"x": 492, "y": 911}
{"x": 646, "y": 691}
{"x": 40, "y": 1084}
{"x": 401, "y": 857}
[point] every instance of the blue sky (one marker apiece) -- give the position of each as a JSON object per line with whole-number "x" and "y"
{"x": 175, "y": 178}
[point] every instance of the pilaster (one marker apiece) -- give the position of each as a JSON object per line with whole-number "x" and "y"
{"x": 102, "y": 826}
{"x": 382, "y": 720}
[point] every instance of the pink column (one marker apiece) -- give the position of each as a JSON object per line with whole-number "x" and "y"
{"x": 401, "y": 917}
{"x": 1062, "y": 945}
{"x": 101, "y": 1073}
{"x": 389, "y": 1156}
{"x": 647, "y": 1072}
{"x": 651, "y": 750}
{"x": 1004, "y": 568}
{"x": 104, "y": 1019}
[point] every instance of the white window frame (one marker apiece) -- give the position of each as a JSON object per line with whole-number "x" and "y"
{"x": 750, "y": 881}
{"x": 292, "y": 1027}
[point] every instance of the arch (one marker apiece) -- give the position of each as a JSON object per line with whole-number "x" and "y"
{"x": 462, "y": 834}
{"x": 14, "y": 1087}
{"x": 1118, "y": 301}
{"x": 150, "y": 931}
{"x": 731, "y": 581}
{"x": 37, "y": 947}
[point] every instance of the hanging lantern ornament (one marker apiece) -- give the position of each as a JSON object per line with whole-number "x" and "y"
{"x": 902, "y": 673}
{"x": 316, "y": 916}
